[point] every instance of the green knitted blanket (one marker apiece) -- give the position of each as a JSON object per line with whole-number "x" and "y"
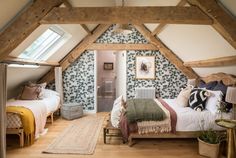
{"x": 144, "y": 110}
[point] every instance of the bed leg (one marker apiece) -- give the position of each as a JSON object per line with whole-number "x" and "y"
{"x": 21, "y": 134}
{"x": 104, "y": 135}
{"x": 130, "y": 141}
{"x": 51, "y": 118}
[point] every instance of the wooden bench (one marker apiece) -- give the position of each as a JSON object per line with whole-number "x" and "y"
{"x": 110, "y": 131}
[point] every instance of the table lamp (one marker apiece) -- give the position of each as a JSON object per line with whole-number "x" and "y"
{"x": 231, "y": 97}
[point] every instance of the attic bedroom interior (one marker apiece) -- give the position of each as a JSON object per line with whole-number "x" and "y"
{"x": 117, "y": 78}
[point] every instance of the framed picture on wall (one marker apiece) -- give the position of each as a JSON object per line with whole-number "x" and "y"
{"x": 108, "y": 66}
{"x": 145, "y": 67}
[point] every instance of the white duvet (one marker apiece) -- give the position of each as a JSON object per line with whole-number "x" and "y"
{"x": 190, "y": 120}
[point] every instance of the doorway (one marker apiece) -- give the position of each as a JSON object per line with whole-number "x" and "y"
{"x": 110, "y": 78}
{"x": 106, "y": 79}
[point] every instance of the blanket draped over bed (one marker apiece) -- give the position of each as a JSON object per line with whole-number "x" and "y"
{"x": 130, "y": 123}
{"x": 27, "y": 119}
{"x": 143, "y": 110}
{"x": 39, "y": 111}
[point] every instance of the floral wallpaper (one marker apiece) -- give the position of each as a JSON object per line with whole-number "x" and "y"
{"x": 79, "y": 77}
{"x": 168, "y": 79}
{"x": 78, "y": 81}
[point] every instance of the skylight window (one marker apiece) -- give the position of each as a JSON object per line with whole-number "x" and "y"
{"x": 41, "y": 47}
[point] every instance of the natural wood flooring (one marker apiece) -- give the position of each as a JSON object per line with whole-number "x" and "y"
{"x": 162, "y": 148}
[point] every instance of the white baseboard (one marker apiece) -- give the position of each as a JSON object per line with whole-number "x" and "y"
{"x": 89, "y": 112}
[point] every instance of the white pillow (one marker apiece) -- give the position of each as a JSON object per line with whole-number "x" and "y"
{"x": 183, "y": 97}
{"x": 118, "y": 100}
{"x": 47, "y": 93}
{"x": 116, "y": 112}
{"x": 213, "y": 102}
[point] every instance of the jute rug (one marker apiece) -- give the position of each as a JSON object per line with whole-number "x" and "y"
{"x": 79, "y": 138}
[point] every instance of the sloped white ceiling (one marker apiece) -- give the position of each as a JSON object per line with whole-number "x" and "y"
{"x": 16, "y": 77}
{"x": 77, "y": 32}
{"x": 230, "y": 5}
{"x": 9, "y": 9}
{"x": 195, "y": 42}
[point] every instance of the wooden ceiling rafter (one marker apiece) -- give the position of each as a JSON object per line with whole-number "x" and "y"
{"x": 214, "y": 62}
{"x": 14, "y": 60}
{"x": 86, "y": 29}
{"x": 124, "y": 15}
{"x": 24, "y": 25}
{"x": 105, "y": 46}
{"x": 76, "y": 51}
{"x": 161, "y": 26}
{"x": 223, "y": 22}
{"x": 166, "y": 52}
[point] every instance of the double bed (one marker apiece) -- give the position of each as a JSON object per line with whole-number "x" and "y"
{"x": 189, "y": 122}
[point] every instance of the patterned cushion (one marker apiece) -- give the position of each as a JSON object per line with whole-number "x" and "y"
{"x": 197, "y": 99}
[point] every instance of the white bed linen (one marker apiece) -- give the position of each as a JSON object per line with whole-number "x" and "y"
{"x": 40, "y": 109}
{"x": 52, "y": 103}
{"x": 190, "y": 120}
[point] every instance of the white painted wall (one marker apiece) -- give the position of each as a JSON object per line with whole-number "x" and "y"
{"x": 121, "y": 74}
{"x": 17, "y": 76}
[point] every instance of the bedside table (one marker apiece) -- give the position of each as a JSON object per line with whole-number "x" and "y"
{"x": 231, "y": 135}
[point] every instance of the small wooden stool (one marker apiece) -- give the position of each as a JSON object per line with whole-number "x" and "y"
{"x": 107, "y": 131}
{"x": 231, "y": 136}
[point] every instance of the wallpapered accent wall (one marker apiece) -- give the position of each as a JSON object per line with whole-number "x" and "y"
{"x": 78, "y": 81}
{"x": 168, "y": 79}
{"x": 79, "y": 77}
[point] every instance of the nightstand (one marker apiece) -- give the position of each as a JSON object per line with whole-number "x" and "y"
{"x": 231, "y": 135}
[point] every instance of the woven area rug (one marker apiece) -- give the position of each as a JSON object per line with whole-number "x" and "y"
{"x": 79, "y": 138}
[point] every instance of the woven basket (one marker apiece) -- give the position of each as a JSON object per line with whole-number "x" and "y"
{"x": 209, "y": 150}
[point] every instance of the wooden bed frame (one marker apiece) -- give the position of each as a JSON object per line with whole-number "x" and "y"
{"x": 228, "y": 80}
{"x": 20, "y": 131}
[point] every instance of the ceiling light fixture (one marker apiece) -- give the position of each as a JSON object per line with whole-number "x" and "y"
{"x": 124, "y": 29}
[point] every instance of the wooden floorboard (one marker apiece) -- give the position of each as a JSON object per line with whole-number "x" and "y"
{"x": 162, "y": 148}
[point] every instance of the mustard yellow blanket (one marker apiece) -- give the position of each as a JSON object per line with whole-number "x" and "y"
{"x": 27, "y": 119}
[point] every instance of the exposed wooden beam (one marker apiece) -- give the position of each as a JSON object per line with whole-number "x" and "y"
{"x": 166, "y": 52}
{"x": 3, "y": 98}
{"x": 99, "y": 46}
{"x": 161, "y": 26}
{"x": 29, "y": 62}
{"x": 125, "y": 15}
{"x": 215, "y": 62}
{"x": 24, "y": 25}
{"x": 67, "y": 4}
{"x": 158, "y": 29}
{"x": 224, "y": 23}
{"x": 86, "y": 28}
{"x": 76, "y": 52}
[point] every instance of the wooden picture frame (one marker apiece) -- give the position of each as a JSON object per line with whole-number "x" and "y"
{"x": 145, "y": 67}
{"x": 108, "y": 66}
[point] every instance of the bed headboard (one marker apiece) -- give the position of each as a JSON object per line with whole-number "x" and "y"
{"x": 228, "y": 80}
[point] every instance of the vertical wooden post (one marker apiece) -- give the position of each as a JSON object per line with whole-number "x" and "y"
{"x": 3, "y": 96}
{"x": 59, "y": 82}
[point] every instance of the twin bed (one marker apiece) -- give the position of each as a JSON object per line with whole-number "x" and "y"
{"x": 41, "y": 110}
